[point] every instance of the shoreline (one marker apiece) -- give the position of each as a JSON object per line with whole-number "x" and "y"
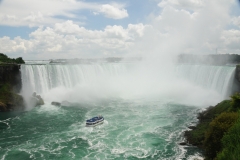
{"x": 213, "y": 123}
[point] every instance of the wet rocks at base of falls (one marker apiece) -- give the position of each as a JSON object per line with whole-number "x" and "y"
{"x": 10, "y": 101}
{"x": 36, "y": 100}
{"x": 63, "y": 104}
{"x": 3, "y": 107}
{"x": 56, "y": 104}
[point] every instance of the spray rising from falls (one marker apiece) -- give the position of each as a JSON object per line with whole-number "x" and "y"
{"x": 111, "y": 79}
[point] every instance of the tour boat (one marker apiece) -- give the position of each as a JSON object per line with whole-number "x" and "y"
{"x": 94, "y": 121}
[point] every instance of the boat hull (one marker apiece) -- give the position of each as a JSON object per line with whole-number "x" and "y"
{"x": 94, "y": 121}
{"x": 93, "y": 125}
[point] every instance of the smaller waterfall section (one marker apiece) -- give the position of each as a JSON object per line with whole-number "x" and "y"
{"x": 42, "y": 78}
{"x": 217, "y": 78}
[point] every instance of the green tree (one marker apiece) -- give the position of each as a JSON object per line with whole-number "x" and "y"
{"x": 235, "y": 102}
{"x": 19, "y": 60}
{"x": 231, "y": 143}
{"x": 218, "y": 127}
{"x": 4, "y": 59}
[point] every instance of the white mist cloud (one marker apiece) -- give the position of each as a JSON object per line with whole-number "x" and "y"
{"x": 198, "y": 30}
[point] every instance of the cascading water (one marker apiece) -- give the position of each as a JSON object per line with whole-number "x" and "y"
{"x": 42, "y": 78}
{"x": 218, "y": 78}
{"x": 137, "y": 126}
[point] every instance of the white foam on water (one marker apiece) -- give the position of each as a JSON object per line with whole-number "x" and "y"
{"x": 50, "y": 109}
{"x": 195, "y": 157}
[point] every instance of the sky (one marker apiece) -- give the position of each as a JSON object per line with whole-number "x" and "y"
{"x": 67, "y": 29}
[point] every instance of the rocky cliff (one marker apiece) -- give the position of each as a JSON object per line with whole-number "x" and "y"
{"x": 10, "y": 73}
{"x": 10, "y": 86}
{"x": 236, "y": 83}
{"x": 238, "y": 73}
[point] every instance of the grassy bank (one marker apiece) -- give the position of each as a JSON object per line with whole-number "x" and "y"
{"x": 217, "y": 132}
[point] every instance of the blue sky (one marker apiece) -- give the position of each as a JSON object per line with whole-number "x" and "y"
{"x": 52, "y": 29}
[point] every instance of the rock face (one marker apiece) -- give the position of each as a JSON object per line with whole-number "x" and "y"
{"x": 237, "y": 76}
{"x": 236, "y": 82}
{"x": 36, "y": 100}
{"x": 56, "y": 104}
{"x": 10, "y": 73}
{"x": 10, "y": 86}
{"x": 3, "y": 107}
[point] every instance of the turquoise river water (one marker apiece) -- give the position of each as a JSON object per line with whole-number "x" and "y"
{"x": 132, "y": 130}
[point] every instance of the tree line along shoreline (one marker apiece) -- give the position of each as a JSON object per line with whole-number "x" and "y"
{"x": 217, "y": 130}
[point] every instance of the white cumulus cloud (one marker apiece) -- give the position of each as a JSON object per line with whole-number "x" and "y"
{"x": 69, "y": 40}
{"x": 184, "y": 26}
{"x": 231, "y": 39}
{"x": 113, "y": 12}
{"x": 48, "y": 12}
{"x": 189, "y": 4}
{"x": 236, "y": 21}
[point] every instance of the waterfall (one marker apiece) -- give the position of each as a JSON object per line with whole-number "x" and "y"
{"x": 42, "y": 78}
{"x": 218, "y": 78}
